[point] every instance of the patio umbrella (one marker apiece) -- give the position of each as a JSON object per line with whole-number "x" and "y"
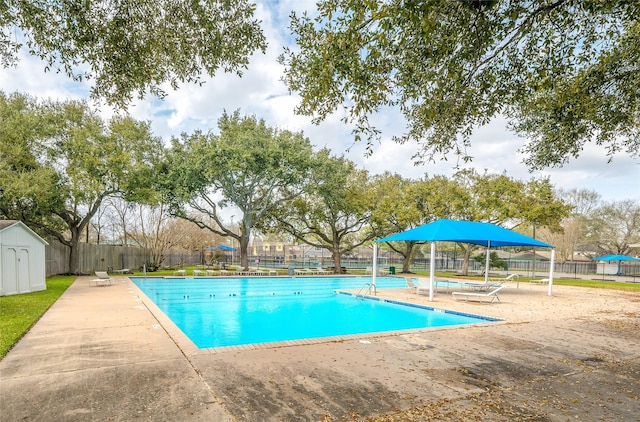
{"x": 614, "y": 258}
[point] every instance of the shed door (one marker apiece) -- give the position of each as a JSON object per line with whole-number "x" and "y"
{"x": 15, "y": 268}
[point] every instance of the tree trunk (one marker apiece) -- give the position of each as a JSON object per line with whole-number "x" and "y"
{"x": 465, "y": 261}
{"x": 244, "y": 248}
{"x": 337, "y": 263}
{"x": 408, "y": 256}
{"x": 74, "y": 254}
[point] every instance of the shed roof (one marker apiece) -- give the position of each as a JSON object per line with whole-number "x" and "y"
{"x": 5, "y": 224}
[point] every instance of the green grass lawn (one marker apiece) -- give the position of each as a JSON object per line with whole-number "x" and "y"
{"x": 599, "y": 284}
{"x": 18, "y": 313}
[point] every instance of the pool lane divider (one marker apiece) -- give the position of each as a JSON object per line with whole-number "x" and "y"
{"x": 213, "y": 295}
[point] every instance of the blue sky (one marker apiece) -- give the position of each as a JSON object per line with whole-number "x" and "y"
{"x": 260, "y": 92}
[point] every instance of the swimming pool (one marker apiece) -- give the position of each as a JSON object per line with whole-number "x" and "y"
{"x": 216, "y": 312}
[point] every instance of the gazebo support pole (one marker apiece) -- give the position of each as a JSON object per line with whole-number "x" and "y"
{"x": 374, "y": 267}
{"x": 486, "y": 264}
{"x": 432, "y": 267}
{"x": 553, "y": 258}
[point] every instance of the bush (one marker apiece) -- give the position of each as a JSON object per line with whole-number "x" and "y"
{"x": 150, "y": 266}
{"x": 494, "y": 261}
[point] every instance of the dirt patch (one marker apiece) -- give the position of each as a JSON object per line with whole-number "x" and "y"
{"x": 294, "y": 395}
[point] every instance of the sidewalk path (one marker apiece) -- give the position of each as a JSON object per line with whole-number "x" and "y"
{"x": 99, "y": 355}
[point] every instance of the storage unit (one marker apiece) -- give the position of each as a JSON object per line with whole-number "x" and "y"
{"x": 22, "y": 259}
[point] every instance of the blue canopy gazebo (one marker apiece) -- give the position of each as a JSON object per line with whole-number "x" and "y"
{"x": 614, "y": 258}
{"x": 225, "y": 248}
{"x": 219, "y": 248}
{"x": 475, "y": 233}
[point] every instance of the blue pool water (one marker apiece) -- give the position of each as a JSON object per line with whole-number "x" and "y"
{"x": 215, "y": 312}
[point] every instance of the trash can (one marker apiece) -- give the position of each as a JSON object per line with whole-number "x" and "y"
{"x": 290, "y": 271}
{"x": 392, "y": 270}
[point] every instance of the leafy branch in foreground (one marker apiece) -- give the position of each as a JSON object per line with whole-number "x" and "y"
{"x": 130, "y": 47}
{"x": 563, "y": 72}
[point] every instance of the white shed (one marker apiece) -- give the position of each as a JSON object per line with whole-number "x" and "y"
{"x": 22, "y": 259}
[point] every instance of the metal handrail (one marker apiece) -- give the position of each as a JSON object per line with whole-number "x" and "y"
{"x": 363, "y": 286}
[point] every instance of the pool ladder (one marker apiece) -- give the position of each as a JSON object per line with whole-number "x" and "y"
{"x": 369, "y": 287}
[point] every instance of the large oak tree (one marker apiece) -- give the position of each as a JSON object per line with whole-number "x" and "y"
{"x": 60, "y": 161}
{"x": 335, "y": 210}
{"x": 248, "y": 167}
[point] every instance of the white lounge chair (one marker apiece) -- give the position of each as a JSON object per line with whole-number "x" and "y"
{"x": 251, "y": 271}
{"x": 479, "y": 287}
{"x": 102, "y": 280}
{"x": 123, "y": 271}
{"x": 511, "y": 277}
{"x": 423, "y": 285}
{"x": 410, "y": 284}
{"x": 321, "y": 270}
{"x": 379, "y": 271}
{"x": 491, "y": 296}
{"x": 301, "y": 271}
{"x": 541, "y": 281}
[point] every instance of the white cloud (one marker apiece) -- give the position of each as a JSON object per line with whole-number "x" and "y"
{"x": 29, "y": 76}
{"x": 614, "y": 181}
{"x": 260, "y": 92}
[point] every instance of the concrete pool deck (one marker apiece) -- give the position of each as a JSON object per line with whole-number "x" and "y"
{"x": 105, "y": 353}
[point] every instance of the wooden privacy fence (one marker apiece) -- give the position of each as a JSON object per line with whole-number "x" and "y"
{"x": 110, "y": 257}
{"x": 93, "y": 257}
{"x": 56, "y": 257}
